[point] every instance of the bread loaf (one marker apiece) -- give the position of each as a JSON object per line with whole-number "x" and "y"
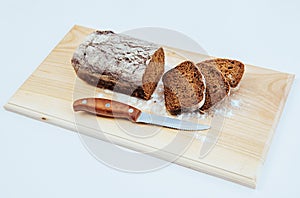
{"x": 119, "y": 63}
{"x": 184, "y": 88}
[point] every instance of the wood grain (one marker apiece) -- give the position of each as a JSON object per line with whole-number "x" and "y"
{"x": 242, "y": 144}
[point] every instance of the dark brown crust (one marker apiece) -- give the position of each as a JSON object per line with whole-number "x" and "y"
{"x": 232, "y": 70}
{"x": 107, "y": 82}
{"x": 183, "y": 88}
{"x": 216, "y": 86}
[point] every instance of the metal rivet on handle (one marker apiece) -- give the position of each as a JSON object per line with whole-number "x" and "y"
{"x": 84, "y": 102}
{"x": 107, "y": 105}
{"x": 130, "y": 110}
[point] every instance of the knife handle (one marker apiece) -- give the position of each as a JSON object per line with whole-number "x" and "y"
{"x": 106, "y": 108}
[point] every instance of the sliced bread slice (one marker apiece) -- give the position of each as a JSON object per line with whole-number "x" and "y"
{"x": 232, "y": 70}
{"x": 184, "y": 88}
{"x": 217, "y": 87}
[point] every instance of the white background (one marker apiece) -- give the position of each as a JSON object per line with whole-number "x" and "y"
{"x": 40, "y": 160}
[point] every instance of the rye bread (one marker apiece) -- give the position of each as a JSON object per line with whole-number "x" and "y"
{"x": 217, "y": 88}
{"x": 184, "y": 88}
{"x": 232, "y": 70}
{"x": 119, "y": 63}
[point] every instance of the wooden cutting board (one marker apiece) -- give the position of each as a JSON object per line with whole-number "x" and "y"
{"x": 248, "y": 123}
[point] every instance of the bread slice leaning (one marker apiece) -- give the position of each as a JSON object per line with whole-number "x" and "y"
{"x": 232, "y": 70}
{"x": 217, "y": 88}
{"x": 184, "y": 88}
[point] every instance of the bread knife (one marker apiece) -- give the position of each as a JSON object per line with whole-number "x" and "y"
{"x": 114, "y": 109}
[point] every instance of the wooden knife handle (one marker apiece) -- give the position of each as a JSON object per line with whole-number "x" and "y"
{"x": 107, "y": 108}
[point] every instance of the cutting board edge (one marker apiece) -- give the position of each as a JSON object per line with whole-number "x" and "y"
{"x": 182, "y": 161}
{"x": 290, "y": 79}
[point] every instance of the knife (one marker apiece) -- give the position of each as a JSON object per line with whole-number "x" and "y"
{"x": 114, "y": 109}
